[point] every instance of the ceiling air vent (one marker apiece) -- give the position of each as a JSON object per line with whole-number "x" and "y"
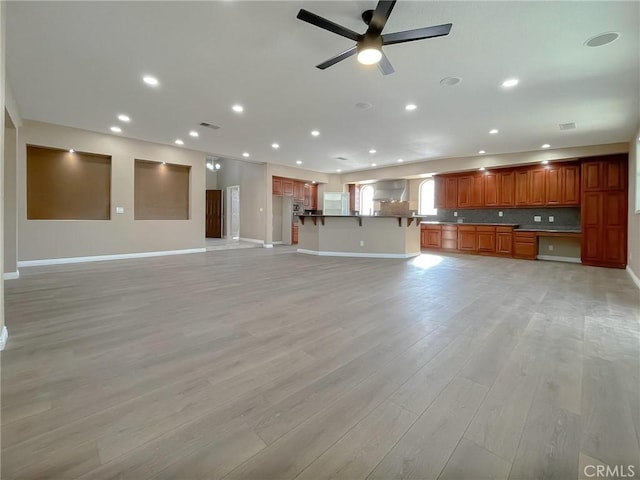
{"x": 342, "y": 158}
{"x": 567, "y": 126}
{"x": 210, "y": 125}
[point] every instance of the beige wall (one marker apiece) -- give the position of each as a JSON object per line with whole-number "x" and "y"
{"x": 9, "y": 198}
{"x": 45, "y": 239}
{"x": 211, "y": 179}
{"x": 634, "y": 218}
{"x": 566, "y": 247}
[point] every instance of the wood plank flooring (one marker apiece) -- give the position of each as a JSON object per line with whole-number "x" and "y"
{"x": 271, "y": 365}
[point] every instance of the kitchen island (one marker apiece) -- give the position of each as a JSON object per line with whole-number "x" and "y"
{"x": 396, "y": 236}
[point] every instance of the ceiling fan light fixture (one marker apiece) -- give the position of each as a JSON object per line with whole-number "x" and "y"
{"x": 369, "y": 56}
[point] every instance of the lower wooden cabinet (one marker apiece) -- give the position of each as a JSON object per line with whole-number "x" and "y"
{"x": 525, "y": 245}
{"x": 449, "y": 237}
{"x": 467, "y": 238}
{"x": 504, "y": 241}
{"x": 294, "y": 233}
{"x": 431, "y": 236}
{"x": 486, "y": 239}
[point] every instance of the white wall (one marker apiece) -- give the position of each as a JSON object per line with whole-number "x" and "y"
{"x": 46, "y": 239}
{"x": 10, "y": 227}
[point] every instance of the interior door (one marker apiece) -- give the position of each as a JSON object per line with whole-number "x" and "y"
{"x": 213, "y": 209}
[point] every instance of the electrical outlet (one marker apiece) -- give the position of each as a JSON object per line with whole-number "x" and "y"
{"x": 501, "y": 214}
{"x": 551, "y": 219}
{"x": 551, "y": 248}
{"x": 119, "y": 209}
{"x": 455, "y": 214}
{"x": 362, "y": 243}
{"x": 537, "y": 218}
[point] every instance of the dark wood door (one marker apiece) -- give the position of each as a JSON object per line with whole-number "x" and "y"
{"x": 213, "y": 208}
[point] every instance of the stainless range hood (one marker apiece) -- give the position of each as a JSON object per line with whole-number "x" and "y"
{"x": 391, "y": 190}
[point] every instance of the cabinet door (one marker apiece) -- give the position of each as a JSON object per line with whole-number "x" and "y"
{"x": 506, "y": 189}
{"x": 467, "y": 238}
{"x": 491, "y": 189}
{"x": 313, "y": 193}
{"x": 287, "y": 187}
{"x": 525, "y": 245}
{"x": 294, "y": 233}
{"x": 277, "y": 186}
{"x": 614, "y": 175}
{"x": 592, "y": 176}
{"x": 536, "y": 187}
{"x": 298, "y": 191}
{"x": 434, "y": 238}
{"x": 592, "y": 218}
{"x": 440, "y": 191}
{"x": 477, "y": 190}
{"x": 570, "y": 189}
{"x": 450, "y": 237}
{"x": 464, "y": 191}
{"x": 424, "y": 243}
{"x": 504, "y": 242}
{"x": 522, "y": 187}
{"x": 486, "y": 239}
{"x": 451, "y": 192}
{"x": 553, "y": 185}
{"x": 307, "y": 197}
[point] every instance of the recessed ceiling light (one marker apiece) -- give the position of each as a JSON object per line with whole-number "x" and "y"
{"x": 450, "y": 81}
{"x": 481, "y": 152}
{"x": 164, "y": 163}
{"x": 149, "y": 80}
{"x": 373, "y": 150}
{"x": 298, "y": 162}
{"x": 275, "y": 146}
{"x": 373, "y": 164}
{"x": 511, "y": 82}
{"x": 602, "y": 39}
{"x": 338, "y": 170}
{"x": 313, "y": 181}
{"x": 410, "y": 106}
{"x": 544, "y": 162}
{"x": 124, "y": 118}
{"x": 546, "y": 145}
{"x": 179, "y": 142}
{"x": 238, "y": 108}
{"x": 71, "y": 150}
{"x": 246, "y": 154}
{"x": 193, "y": 133}
{"x": 315, "y": 133}
{"x": 482, "y": 169}
{"x": 116, "y": 129}
{"x": 400, "y": 160}
{"x": 493, "y": 131}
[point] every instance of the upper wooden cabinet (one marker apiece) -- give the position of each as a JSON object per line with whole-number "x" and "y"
{"x": 491, "y": 189}
{"x": 506, "y": 189}
{"x": 277, "y": 186}
{"x": 446, "y": 191}
{"x": 570, "y": 189}
{"x": 537, "y": 186}
{"x": 522, "y": 188}
{"x": 604, "y": 173}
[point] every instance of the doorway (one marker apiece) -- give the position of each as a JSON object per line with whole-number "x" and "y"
{"x": 213, "y": 215}
{"x": 233, "y": 212}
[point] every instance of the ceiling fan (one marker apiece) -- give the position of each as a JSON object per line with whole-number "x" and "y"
{"x": 369, "y": 44}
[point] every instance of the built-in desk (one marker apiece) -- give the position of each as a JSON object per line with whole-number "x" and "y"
{"x": 394, "y": 236}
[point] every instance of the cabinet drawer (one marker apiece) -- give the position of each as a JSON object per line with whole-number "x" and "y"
{"x": 483, "y": 228}
{"x": 504, "y": 229}
{"x": 524, "y": 237}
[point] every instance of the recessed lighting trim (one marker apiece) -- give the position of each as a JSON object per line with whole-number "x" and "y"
{"x": 400, "y": 160}
{"x": 410, "y": 107}
{"x": 545, "y": 145}
{"x": 193, "y": 133}
{"x": 164, "y": 163}
{"x": 238, "y": 108}
{"x": 481, "y": 152}
{"x": 372, "y": 151}
{"x": 275, "y": 146}
{"x": 115, "y": 129}
{"x": 179, "y": 142}
{"x": 482, "y": 169}
{"x": 150, "y": 80}
{"x": 246, "y": 155}
{"x": 493, "y": 131}
{"x": 338, "y": 170}
{"x": 374, "y": 164}
{"x": 298, "y": 162}
{"x": 313, "y": 181}
{"x": 124, "y": 118}
{"x": 315, "y": 133}
{"x": 545, "y": 162}
{"x": 602, "y": 39}
{"x": 510, "y": 82}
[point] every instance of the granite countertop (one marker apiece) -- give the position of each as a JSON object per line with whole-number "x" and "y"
{"x": 356, "y": 216}
{"x": 554, "y": 229}
{"x": 470, "y": 223}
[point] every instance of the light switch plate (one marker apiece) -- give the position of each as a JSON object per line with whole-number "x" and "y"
{"x": 501, "y": 214}
{"x": 455, "y": 214}
{"x": 551, "y": 219}
{"x": 537, "y": 218}
{"x": 119, "y": 209}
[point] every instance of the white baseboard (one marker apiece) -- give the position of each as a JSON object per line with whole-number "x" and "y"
{"x": 252, "y": 240}
{"x": 268, "y": 245}
{"x": 357, "y": 254}
{"x": 559, "y": 259}
{"x": 4, "y": 336}
{"x": 101, "y": 258}
{"x": 279, "y": 242}
{"x": 12, "y": 275}
{"x": 633, "y": 276}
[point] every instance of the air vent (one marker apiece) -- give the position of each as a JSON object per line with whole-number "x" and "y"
{"x": 342, "y": 158}
{"x": 210, "y": 125}
{"x": 567, "y": 126}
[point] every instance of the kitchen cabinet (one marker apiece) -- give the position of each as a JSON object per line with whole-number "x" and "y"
{"x": 525, "y": 245}
{"x": 521, "y": 188}
{"x": 449, "y": 238}
{"x": 504, "y": 241}
{"x": 298, "y": 191}
{"x": 467, "y": 238}
{"x": 431, "y": 236}
{"x": 506, "y": 189}
{"x": 491, "y": 189}
{"x": 553, "y": 185}
{"x": 439, "y": 191}
{"x": 287, "y": 187}
{"x": 604, "y": 211}
{"x": 464, "y": 191}
{"x": 570, "y": 189}
{"x": 451, "y": 193}
{"x": 537, "y": 187}
{"x": 294, "y": 233}
{"x": 486, "y": 239}
{"x": 277, "y": 186}
{"x": 311, "y": 196}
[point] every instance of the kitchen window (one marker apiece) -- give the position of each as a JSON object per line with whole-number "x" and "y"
{"x": 427, "y": 197}
{"x": 366, "y": 200}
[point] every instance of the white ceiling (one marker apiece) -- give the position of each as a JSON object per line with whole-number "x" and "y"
{"x": 80, "y": 64}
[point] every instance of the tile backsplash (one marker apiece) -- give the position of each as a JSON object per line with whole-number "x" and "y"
{"x": 562, "y": 216}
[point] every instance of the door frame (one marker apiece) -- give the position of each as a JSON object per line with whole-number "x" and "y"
{"x": 229, "y": 207}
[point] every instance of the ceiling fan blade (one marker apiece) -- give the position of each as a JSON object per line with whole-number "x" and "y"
{"x": 380, "y": 16}
{"x": 385, "y": 65}
{"x": 417, "y": 34}
{"x": 341, "y": 56}
{"x": 318, "y": 21}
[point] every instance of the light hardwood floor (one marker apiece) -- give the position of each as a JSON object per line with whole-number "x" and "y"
{"x": 267, "y": 364}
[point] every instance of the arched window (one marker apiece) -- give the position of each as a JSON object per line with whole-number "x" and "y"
{"x": 366, "y": 200}
{"x": 427, "y": 197}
